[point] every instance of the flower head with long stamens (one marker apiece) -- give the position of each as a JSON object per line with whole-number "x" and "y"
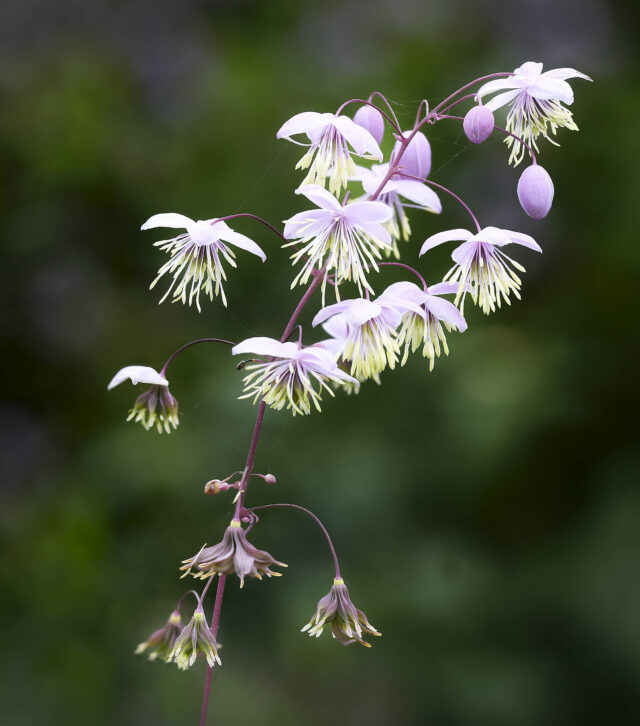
{"x": 156, "y": 406}
{"x": 397, "y": 193}
{"x": 481, "y": 267}
{"x": 294, "y": 377}
{"x": 160, "y": 643}
{"x": 348, "y": 624}
{"x": 195, "y": 638}
{"x": 426, "y": 327}
{"x": 328, "y": 154}
{"x": 535, "y": 101}
{"x": 197, "y": 256}
{"x": 345, "y": 239}
{"x": 233, "y": 554}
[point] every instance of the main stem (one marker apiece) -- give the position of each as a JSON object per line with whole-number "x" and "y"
{"x": 215, "y": 622}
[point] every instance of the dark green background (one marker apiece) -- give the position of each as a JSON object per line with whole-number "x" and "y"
{"x": 486, "y": 514}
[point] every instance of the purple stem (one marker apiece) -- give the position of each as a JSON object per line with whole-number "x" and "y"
{"x": 251, "y": 216}
{"x": 388, "y": 105}
{"x": 464, "y": 88}
{"x": 393, "y": 123}
{"x": 215, "y": 622}
{"x": 188, "y": 345}
{"x": 448, "y": 191}
{"x": 317, "y": 521}
{"x": 406, "y": 267}
{"x": 456, "y": 102}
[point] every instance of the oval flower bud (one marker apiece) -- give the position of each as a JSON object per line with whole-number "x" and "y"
{"x": 370, "y": 119}
{"x": 535, "y": 191}
{"x": 416, "y": 160}
{"x": 478, "y": 124}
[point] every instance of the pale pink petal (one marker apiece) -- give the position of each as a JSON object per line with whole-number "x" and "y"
{"x": 415, "y": 192}
{"x": 523, "y": 239}
{"x": 303, "y": 123}
{"x": 336, "y": 327}
{"x": 551, "y": 88}
{"x": 493, "y": 235}
{"x": 565, "y": 73}
{"x": 138, "y": 374}
{"x": 404, "y": 290}
{"x": 310, "y": 223}
{"x": 377, "y": 231}
{"x": 358, "y": 212}
{"x": 501, "y": 84}
{"x": 460, "y": 254}
{"x": 450, "y": 235}
{"x": 330, "y": 311}
{"x": 447, "y": 311}
{"x": 361, "y": 311}
{"x": 239, "y": 240}
{"x": 168, "y": 219}
{"x": 319, "y": 196}
{"x": 502, "y": 99}
{"x": 444, "y": 288}
{"x": 529, "y": 69}
{"x": 358, "y": 137}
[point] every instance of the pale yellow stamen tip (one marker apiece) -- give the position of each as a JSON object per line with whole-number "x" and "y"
{"x": 338, "y": 581}
{"x": 235, "y": 523}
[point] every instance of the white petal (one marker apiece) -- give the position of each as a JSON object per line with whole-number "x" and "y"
{"x": 307, "y": 224}
{"x": 501, "y": 99}
{"x": 303, "y": 123}
{"x": 529, "y": 69}
{"x": 377, "y": 231}
{"x": 358, "y": 212}
{"x": 498, "y": 85}
{"x": 523, "y": 239}
{"x": 319, "y": 196}
{"x": 416, "y": 192}
{"x": 361, "y": 311}
{"x": 450, "y": 235}
{"x": 168, "y": 219}
{"x": 330, "y": 311}
{"x": 266, "y": 346}
{"x": 358, "y": 137}
{"x": 447, "y": 311}
{"x": 138, "y": 374}
{"x": 551, "y": 88}
{"x": 239, "y": 240}
{"x": 402, "y": 290}
{"x": 564, "y": 73}
{"x": 444, "y": 288}
{"x": 337, "y": 327}
{"x": 493, "y": 235}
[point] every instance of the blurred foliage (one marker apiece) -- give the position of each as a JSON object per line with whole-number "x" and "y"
{"x": 486, "y": 514}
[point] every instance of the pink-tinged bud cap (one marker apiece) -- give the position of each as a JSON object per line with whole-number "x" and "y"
{"x": 370, "y": 119}
{"x": 535, "y": 191}
{"x": 270, "y": 479}
{"x": 478, "y": 124}
{"x": 416, "y": 159}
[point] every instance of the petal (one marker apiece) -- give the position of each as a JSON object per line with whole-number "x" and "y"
{"x": 444, "y": 288}
{"x": 501, "y": 84}
{"x": 358, "y": 137}
{"x": 493, "y": 235}
{"x": 168, "y": 219}
{"x": 523, "y": 239}
{"x": 138, "y": 374}
{"x": 330, "y": 311}
{"x": 501, "y": 99}
{"x": 337, "y": 327}
{"x": 333, "y": 345}
{"x": 265, "y": 346}
{"x": 302, "y": 123}
{"x": 564, "y": 73}
{"x": 377, "y": 231}
{"x": 551, "y": 88}
{"x": 460, "y": 254}
{"x": 402, "y": 290}
{"x": 361, "y": 311}
{"x": 450, "y": 235}
{"x": 319, "y": 196}
{"x": 310, "y": 223}
{"x": 416, "y": 192}
{"x": 529, "y": 69}
{"x": 359, "y": 212}
{"x": 447, "y": 311}
{"x": 239, "y": 240}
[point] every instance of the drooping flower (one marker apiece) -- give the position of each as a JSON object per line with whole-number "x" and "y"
{"x": 482, "y": 269}
{"x": 478, "y": 124}
{"x": 416, "y": 158}
{"x": 344, "y": 239}
{"x": 328, "y": 153}
{"x": 370, "y": 339}
{"x": 294, "y": 376}
{"x": 196, "y": 638}
{"x": 161, "y": 642}
{"x": 197, "y": 256}
{"x": 156, "y": 406}
{"x": 348, "y": 624}
{"x": 233, "y": 554}
{"x": 535, "y": 101}
{"x": 425, "y": 327}
{"x": 394, "y": 191}
{"x": 535, "y": 191}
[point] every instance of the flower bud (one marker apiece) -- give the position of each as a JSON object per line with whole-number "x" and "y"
{"x": 478, "y": 124}
{"x": 535, "y": 191}
{"x": 416, "y": 160}
{"x": 270, "y": 479}
{"x": 370, "y": 119}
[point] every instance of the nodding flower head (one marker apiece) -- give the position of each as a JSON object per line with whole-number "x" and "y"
{"x": 328, "y": 154}
{"x": 341, "y": 239}
{"x": 348, "y": 624}
{"x": 293, "y": 376}
{"x": 156, "y": 406}
{"x": 481, "y": 267}
{"x": 160, "y": 643}
{"x": 426, "y": 325}
{"x": 233, "y": 554}
{"x": 195, "y": 638}
{"x": 197, "y": 256}
{"x": 535, "y": 101}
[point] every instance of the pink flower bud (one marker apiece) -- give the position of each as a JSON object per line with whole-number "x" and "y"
{"x": 478, "y": 124}
{"x": 535, "y": 191}
{"x": 270, "y": 479}
{"x": 416, "y": 159}
{"x": 370, "y": 119}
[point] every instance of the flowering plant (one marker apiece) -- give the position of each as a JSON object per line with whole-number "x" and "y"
{"x": 342, "y": 243}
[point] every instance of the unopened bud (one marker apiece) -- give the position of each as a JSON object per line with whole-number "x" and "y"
{"x": 371, "y": 120}
{"x": 535, "y": 191}
{"x": 270, "y": 479}
{"x": 416, "y": 160}
{"x": 478, "y": 124}
{"x": 215, "y": 486}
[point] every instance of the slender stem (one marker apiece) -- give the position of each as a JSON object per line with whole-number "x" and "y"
{"x": 456, "y": 102}
{"x": 215, "y": 622}
{"x": 251, "y": 216}
{"x": 406, "y": 267}
{"x": 448, "y": 191}
{"x": 388, "y": 105}
{"x": 464, "y": 88}
{"x": 188, "y": 345}
{"x": 317, "y": 521}
{"x": 391, "y": 121}
{"x": 423, "y": 104}
{"x": 189, "y": 592}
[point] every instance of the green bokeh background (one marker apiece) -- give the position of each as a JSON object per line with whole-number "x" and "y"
{"x": 486, "y": 514}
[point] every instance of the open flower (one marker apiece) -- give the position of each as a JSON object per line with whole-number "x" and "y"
{"x": 535, "y": 101}
{"x": 233, "y": 554}
{"x": 426, "y": 326}
{"x": 196, "y": 638}
{"x": 156, "y": 406}
{"x": 345, "y": 239}
{"x": 161, "y": 642}
{"x": 328, "y": 153}
{"x": 348, "y": 624}
{"x": 482, "y": 269}
{"x": 414, "y": 193}
{"x": 197, "y": 256}
{"x": 294, "y": 377}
